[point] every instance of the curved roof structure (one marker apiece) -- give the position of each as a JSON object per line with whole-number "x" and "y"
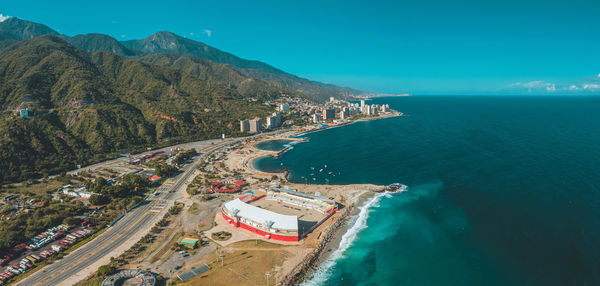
{"x": 260, "y": 215}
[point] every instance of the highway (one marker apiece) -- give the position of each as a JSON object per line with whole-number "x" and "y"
{"x": 140, "y": 218}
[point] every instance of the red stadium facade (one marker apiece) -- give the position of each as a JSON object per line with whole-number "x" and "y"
{"x": 259, "y": 231}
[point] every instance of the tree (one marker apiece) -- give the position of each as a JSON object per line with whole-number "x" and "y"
{"x": 106, "y": 270}
{"x": 70, "y": 220}
{"x": 132, "y": 180}
{"x": 99, "y": 199}
{"x": 165, "y": 170}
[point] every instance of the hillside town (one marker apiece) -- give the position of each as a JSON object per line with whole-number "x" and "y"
{"x": 221, "y": 181}
{"x": 302, "y": 111}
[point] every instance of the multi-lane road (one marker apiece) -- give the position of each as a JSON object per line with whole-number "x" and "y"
{"x": 140, "y": 219}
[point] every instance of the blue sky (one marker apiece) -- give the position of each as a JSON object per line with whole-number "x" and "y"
{"x": 419, "y": 47}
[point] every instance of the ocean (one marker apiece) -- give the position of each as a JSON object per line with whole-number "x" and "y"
{"x": 502, "y": 191}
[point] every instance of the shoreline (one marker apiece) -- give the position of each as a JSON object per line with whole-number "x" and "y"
{"x": 334, "y": 241}
{"x": 329, "y": 237}
{"x": 295, "y": 138}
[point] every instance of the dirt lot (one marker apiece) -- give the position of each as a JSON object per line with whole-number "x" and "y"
{"x": 245, "y": 263}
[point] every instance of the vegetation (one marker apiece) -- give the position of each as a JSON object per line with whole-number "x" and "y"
{"x": 165, "y": 170}
{"x": 221, "y": 235}
{"x": 176, "y": 209}
{"x": 22, "y": 227}
{"x": 90, "y": 103}
{"x": 106, "y": 270}
{"x": 183, "y": 156}
{"x": 91, "y": 106}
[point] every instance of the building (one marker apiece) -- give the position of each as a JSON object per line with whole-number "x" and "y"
{"x": 328, "y": 114}
{"x": 344, "y": 113}
{"x": 318, "y": 203}
{"x": 24, "y": 113}
{"x": 283, "y": 107}
{"x": 189, "y": 242}
{"x": 362, "y": 104}
{"x": 374, "y": 109}
{"x": 274, "y": 121}
{"x": 255, "y": 125}
{"x": 245, "y": 125}
{"x": 331, "y": 99}
{"x": 385, "y": 108}
{"x": 316, "y": 118}
{"x": 261, "y": 221}
{"x": 78, "y": 193}
{"x": 269, "y": 224}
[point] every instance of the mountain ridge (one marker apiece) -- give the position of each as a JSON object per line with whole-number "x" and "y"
{"x": 14, "y": 29}
{"x": 86, "y": 106}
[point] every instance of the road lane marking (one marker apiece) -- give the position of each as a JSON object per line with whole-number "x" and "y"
{"x": 117, "y": 236}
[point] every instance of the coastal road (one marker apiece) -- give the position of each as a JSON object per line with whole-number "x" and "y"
{"x": 141, "y": 218}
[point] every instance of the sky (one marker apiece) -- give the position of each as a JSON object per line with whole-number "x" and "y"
{"x": 417, "y": 47}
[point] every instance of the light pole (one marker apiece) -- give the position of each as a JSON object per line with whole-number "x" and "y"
{"x": 267, "y": 274}
{"x": 222, "y": 258}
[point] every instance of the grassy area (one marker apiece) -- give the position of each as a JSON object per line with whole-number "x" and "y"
{"x": 36, "y": 188}
{"x": 194, "y": 209}
{"x": 166, "y": 248}
{"x": 96, "y": 281}
{"x": 40, "y": 265}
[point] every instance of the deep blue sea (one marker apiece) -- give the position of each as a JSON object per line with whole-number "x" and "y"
{"x": 502, "y": 191}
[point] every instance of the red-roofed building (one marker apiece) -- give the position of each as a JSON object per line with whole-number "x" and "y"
{"x": 155, "y": 179}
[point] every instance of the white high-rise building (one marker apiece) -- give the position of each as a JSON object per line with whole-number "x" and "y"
{"x": 283, "y": 107}
{"x": 245, "y": 125}
{"x": 374, "y": 109}
{"x": 316, "y": 118}
{"x": 255, "y": 125}
{"x": 273, "y": 121}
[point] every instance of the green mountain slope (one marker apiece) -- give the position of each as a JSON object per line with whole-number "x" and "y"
{"x": 170, "y": 43}
{"x": 100, "y": 42}
{"x": 87, "y": 106}
{"x": 14, "y": 29}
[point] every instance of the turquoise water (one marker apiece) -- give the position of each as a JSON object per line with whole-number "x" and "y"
{"x": 503, "y": 191}
{"x": 273, "y": 145}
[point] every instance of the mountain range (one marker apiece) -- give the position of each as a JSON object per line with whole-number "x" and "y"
{"x": 91, "y": 96}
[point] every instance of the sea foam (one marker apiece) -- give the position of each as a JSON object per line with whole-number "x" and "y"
{"x": 358, "y": 222}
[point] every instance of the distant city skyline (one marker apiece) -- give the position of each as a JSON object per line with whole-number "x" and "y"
{"x": 429, "y": 47}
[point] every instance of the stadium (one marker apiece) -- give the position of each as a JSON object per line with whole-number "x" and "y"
{"x": 278, "y": 214}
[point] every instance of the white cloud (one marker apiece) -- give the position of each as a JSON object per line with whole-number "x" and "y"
{"x": 536, "y": 84}
{"x": 3, "y": 17}
{"x": 591, "y": 86}
{"x": 207, "y": 32}
{"x": 192, "y": 34}
{"x": 584, "y": 85}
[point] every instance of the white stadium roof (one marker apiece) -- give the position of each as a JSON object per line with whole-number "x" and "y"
{"x": 287, "y": 222}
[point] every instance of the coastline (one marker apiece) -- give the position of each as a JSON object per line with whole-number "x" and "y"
{"x": 260, "y": 153}
{"x": 305, "y": 275}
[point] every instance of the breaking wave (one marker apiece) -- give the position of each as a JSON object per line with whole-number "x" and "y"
{"x": 358, "y": 222}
